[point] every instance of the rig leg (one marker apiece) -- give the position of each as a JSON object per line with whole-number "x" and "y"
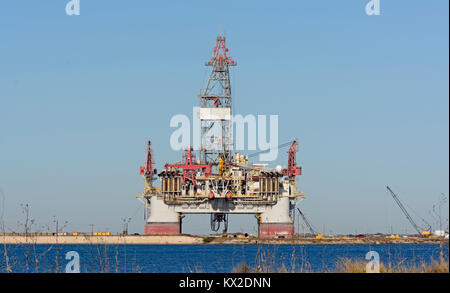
{"x": 162, "y": 220}
{"x": 278, "y": 221}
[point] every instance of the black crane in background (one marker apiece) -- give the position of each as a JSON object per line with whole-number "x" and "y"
{"x": 421, "y": 231}
{"x": 310, "y": 228}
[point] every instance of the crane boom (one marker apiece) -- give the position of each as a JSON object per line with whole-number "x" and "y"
{"x": 408, "y": 216}
{"x": 307, "y": 222}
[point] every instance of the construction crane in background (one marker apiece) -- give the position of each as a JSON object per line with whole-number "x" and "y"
{"x": 308, "y": 225}
{"x": 421, "y": 231}
{"x": 289, "y": 143}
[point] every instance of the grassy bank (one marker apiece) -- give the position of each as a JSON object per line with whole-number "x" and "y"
{"x": 347, "y": 265}
{"x": 268, "y": 262}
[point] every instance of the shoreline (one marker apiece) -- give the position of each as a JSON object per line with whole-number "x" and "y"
{"x": 206, "y": 240}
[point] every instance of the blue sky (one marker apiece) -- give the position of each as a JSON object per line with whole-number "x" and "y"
{"x": 367, "y": 96}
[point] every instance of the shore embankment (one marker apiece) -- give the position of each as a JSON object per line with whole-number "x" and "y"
{"x": 16, "y": 238}
{"x": 92, "y": 239}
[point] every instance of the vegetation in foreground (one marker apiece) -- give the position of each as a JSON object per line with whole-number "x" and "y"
{"x": 268, "y": 262}
{"x": 358, "y": 266}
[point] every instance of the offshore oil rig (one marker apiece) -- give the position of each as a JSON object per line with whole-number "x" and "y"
{"x": 220, "y": 182}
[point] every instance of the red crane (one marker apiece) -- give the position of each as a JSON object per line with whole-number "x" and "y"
{"x": 189, "y": 167}
{"x": 148, "y": 170}
{"x": 292, "y": 168}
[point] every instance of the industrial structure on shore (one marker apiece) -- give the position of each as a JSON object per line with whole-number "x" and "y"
{"x": 220, "y": 182}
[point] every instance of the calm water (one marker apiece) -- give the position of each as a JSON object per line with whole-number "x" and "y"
{"x": 204, "y": 258}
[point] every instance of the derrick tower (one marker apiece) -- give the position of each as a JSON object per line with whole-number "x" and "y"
{"x": 215, "y": 107}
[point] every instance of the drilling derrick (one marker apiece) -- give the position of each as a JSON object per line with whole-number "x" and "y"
{"x": 215, "y": 106}
{"x": 220, "y": 182}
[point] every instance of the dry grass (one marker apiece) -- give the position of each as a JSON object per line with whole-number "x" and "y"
{"x": 27, "y": 258}
{"x": 268, "y": 262}
{"x": 346, "y": 265}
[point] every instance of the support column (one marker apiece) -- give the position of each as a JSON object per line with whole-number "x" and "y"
{"x": 278, "y": 220}
{"x": 163, "y": 220}
{"x": 276, "y": 230}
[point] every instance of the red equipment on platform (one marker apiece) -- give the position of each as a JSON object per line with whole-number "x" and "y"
{"x": 292, "y": 168}
{"x": 189, "y": 167}
{"x": 148, "y": 170}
